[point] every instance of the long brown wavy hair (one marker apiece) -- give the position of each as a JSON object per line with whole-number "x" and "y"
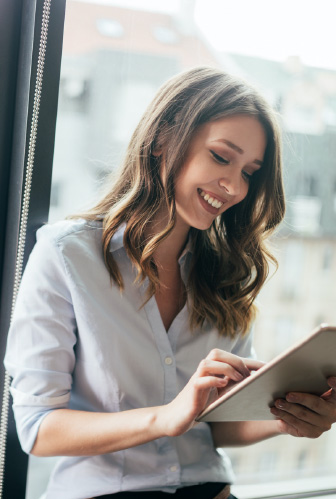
{"x": 230, "y": 259}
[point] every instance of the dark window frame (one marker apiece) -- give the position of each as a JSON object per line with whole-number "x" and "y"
{"x": 20, "y": 32}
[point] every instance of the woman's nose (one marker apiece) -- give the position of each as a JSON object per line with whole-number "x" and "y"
{"x": 231, "y": 184}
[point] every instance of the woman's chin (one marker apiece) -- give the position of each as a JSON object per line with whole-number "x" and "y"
{"x": 202, "y": 225}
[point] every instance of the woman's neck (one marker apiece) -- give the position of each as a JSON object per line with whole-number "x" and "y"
{"x": 167, "y": 254}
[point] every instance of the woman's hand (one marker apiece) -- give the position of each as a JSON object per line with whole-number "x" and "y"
{"x": 206, "y": 385}
{"x": 306, "y": 415}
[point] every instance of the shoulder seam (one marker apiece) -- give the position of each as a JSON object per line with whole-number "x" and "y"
{"x": 57, "y": 238}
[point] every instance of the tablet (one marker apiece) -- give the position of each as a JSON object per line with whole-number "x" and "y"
{"x": 302, "y": 368}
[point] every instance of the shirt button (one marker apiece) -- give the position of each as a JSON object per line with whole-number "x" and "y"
{"x": 173, "y": 468}
{"x": 168, "y": 361}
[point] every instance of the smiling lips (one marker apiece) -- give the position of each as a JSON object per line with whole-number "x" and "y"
{"x": 212, "y": 201}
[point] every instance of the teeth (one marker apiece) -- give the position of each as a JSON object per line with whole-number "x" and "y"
{"x": 212, "y": 201}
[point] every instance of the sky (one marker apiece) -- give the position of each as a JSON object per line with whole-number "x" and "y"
{"x": 272, "y": 29}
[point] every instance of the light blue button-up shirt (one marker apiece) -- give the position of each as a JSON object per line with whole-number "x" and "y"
{"x": 77, "y": 342}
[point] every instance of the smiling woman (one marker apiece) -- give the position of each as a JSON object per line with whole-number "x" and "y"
{"x": 217, "y": 170}
{"x": 137, "y": 312}
{"x": 153, "y": 272}
{"x": 169, "y": 158}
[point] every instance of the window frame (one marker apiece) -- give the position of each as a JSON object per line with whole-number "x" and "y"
{"x": 20, "y": 28}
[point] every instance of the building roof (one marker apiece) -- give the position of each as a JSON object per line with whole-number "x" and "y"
{"x": 91, "y": 27}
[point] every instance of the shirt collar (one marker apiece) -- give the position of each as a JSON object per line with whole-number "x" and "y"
{"x": 187, "y": 249}
{"x": 117, "y": 242}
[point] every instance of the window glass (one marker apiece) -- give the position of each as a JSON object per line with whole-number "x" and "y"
{"x": 115, "y": 56}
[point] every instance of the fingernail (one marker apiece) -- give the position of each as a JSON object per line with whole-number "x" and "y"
{"x": 291, "y": 397}
{"x": 280, "y": 403}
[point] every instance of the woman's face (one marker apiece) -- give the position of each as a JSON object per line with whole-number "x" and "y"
{"x": 221, "y": 158}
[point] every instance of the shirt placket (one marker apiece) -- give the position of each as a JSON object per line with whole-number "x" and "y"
{"x": 166, "y": 445}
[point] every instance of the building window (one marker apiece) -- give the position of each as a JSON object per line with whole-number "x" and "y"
{"x": 110, "y": 28}
{"x": 165, "y": 35}
{"x": 292, "y": 269}
{"x": 74, "y": 94}
{"x": 55, "y": 194}
{"x": 327, "y": 258}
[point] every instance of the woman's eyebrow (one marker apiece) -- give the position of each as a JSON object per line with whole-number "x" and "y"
{"x": 238, "y": 149}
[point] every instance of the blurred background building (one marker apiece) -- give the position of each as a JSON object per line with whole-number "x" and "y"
{"x": 114, "y": 60}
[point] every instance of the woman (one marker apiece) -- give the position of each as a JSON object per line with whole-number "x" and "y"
{"x": 132, "y": 317}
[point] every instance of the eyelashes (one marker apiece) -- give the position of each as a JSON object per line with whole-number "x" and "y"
{"x": 247, "y": 176}
{"x": 220, "y": 159}
{"x": 223, "y": 161}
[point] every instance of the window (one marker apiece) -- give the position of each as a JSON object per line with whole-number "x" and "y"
{"x": 328, "y": 256}
{"x": 293, "y": 269}
{"x": 112, "y": 65}
{"x": 165, "y": 35}
{"x": 110, "y": 27}
{"x": 74, "y": 95}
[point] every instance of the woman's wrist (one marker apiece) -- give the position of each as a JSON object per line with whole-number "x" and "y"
{"x": 163, "y": 421}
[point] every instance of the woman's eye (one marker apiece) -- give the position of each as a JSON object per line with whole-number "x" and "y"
{"x": 220, "y": 159}
{"x": 247, "y": 176}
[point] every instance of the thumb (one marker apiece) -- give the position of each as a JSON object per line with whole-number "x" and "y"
{"x": 332, "y": 382}
{"x": 330, "y": 394}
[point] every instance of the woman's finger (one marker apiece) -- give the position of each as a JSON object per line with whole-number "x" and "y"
{"x": 316, "y": 404}
{"x": 253, "y": 364}
{"x": 298, "y": 427}
{"x": 237, "y": 362}
{"x": 212, "y": 367}
{"x": 302, "y": 413}
{"x": 207, "y": 382}
{"x": 332, "y": 383}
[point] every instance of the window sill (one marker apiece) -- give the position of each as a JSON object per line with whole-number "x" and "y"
{"x": 291, "y": 489}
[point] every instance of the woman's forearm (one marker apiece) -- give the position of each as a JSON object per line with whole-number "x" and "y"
{"x": 66, "y": 432}
{"x": 236, "y": 433}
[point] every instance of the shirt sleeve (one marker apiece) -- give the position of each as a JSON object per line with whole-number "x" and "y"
{"x": 40, "y": 349}
{"x": 243, "y": 346}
